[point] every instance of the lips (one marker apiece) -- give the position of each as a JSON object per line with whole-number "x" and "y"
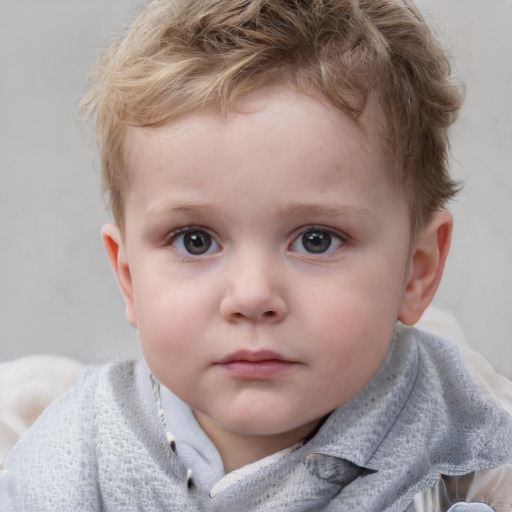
{"x": 259, "y": 365}
{"x": 255, "y": 357}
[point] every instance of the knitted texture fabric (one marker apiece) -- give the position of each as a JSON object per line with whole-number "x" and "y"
{"x": 102, "y": 447}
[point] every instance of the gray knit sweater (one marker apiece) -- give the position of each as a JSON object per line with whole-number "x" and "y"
{"x": 102, "y": 447}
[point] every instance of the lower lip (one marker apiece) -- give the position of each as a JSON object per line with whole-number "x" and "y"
{"x": 257, "y": 369}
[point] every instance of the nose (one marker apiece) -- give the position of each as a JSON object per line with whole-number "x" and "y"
{"x": 253, "y": 293}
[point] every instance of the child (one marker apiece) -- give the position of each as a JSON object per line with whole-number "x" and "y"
{"x": 277, "y": 175}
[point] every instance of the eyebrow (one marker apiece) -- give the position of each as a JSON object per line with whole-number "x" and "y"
{"x": 290, "y": 210}
{"x": 178, "y": 207}
{"x": 319, "y": 210}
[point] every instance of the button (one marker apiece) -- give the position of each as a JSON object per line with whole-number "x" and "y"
{"x": 190, "y": 483}
{"x": 470, "y": 507}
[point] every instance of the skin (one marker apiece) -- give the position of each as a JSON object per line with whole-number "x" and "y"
{"x": 261, "y": 186}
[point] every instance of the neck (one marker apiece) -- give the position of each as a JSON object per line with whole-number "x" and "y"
{"x": 237, "y": 450}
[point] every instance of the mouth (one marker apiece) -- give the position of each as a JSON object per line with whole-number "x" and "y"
{"x": 259, "y": 365}
{"x": 252, "y": 357}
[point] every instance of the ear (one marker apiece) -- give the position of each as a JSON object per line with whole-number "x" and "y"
{"x": 114, "y": 246}
{"x": 426, "y": 265}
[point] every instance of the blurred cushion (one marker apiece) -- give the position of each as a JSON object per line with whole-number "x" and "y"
{"x": 27, "y": 386}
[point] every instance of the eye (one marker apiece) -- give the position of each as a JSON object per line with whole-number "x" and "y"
{"x": 194, "y": 241}
{"x": 317, "y": 241}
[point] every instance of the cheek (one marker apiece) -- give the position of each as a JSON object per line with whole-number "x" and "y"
{"x": 354, "y": 311}
{"x": 370, "y": 289}
{"x": 165, "y": 294}
{"x": 168, "y": 320}
{"x": 168, "y": 340}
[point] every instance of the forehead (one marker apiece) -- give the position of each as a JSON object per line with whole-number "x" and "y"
{"x": 294, "y": 111}
{"x": 277, "y": 130}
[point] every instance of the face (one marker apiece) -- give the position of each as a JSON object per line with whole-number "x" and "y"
{"x": 264, "y": 259}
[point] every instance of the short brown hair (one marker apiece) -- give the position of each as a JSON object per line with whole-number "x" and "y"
{"x": 178, "y": 55}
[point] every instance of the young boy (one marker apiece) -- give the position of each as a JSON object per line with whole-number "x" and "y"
{"x": 277, "y": 175}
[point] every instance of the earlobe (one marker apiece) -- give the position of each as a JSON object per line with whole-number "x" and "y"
{"x": 114, "y": 247}
{"x": 426, "y": 265}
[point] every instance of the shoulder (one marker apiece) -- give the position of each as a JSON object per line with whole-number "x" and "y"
{"x": 77, "y": 409}
{"x": 447, "y": 396}
{"x": 454, "y": 389}
{"x": 447, "y": 431}
{"x": 469, "y": 437}
{"x": 444, "y": 372}
{"x": 55, "y": 462}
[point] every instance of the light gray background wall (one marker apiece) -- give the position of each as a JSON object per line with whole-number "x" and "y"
{"x": 57, "y": 294}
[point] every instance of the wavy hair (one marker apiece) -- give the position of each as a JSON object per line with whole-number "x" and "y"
{"x": 178, "y": 55}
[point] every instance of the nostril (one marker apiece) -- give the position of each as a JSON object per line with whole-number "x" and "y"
{"x": 237, "y": 307}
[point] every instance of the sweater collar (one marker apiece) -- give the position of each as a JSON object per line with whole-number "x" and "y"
{"x": 355, "y": 430}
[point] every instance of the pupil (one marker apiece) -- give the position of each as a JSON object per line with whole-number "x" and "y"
{"x": 316, "y": 241}
{"x": 197, "y": 242}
